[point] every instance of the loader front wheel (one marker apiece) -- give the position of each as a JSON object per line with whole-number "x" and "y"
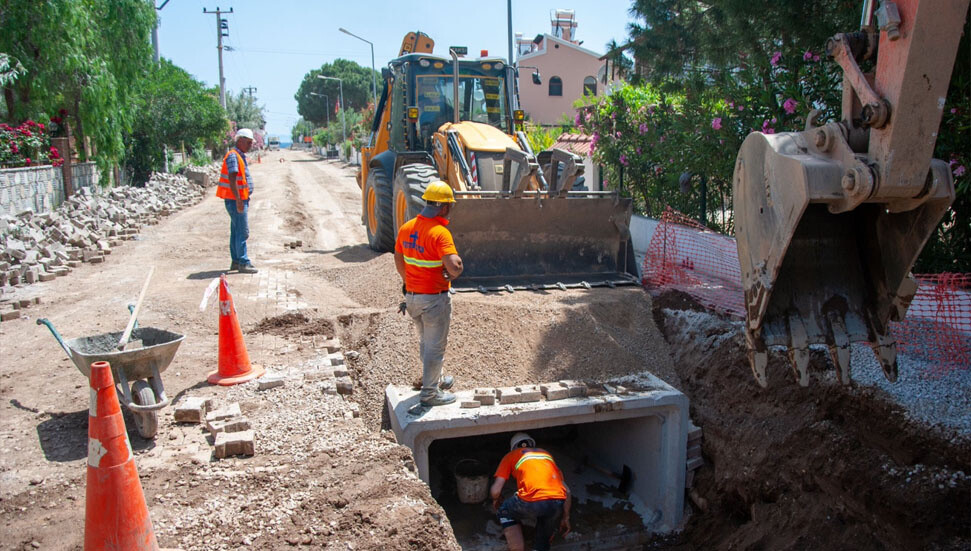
{"x": 409, "y": 185}
{"x": 377, "y": 211}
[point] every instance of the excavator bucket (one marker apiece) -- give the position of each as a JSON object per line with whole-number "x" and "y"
{"x": 579, "y": 239}
{"x": 830, "y": 221}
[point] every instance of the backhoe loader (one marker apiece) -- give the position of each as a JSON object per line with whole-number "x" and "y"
{"x": 830, "y": 221}
{"x": 518, "y": 222}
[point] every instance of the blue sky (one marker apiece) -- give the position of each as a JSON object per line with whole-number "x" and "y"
{"x": 277, "y": 42}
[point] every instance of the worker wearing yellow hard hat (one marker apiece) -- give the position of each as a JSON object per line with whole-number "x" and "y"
{"x": 427, "y": 260}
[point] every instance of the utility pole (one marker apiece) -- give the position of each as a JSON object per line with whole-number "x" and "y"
{"x": 221, "y": 25}
{"x": 509, "y": 24}
{"x": 250, "y": 90}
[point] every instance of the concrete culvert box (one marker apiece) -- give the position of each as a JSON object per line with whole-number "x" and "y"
{"x": 640, "y": 430}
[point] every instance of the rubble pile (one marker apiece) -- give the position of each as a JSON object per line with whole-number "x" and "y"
{"x": 39, "y": 247}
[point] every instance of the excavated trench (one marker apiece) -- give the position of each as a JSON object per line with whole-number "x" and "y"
{"x": 785, "y": 467}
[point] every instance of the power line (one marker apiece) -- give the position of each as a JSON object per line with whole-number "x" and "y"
{"x": 250, "y": 90}
{"x": 221, "y": 25}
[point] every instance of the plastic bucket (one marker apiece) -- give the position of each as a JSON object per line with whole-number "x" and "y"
{"x": 471, "y": 481}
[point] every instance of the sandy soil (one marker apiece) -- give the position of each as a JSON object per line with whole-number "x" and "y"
{"x": 786, "y": 468}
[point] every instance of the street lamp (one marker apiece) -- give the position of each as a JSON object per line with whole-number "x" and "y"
{"x": 374, "y": 77}
{"x": 340, "y": 85}
{"x": 326, "y": 104}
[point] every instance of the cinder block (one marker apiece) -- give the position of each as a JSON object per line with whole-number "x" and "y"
{"x": 555, "y": 391}
{"x": 235, "y": 443}
{"x": 344, "y": 385}
{"x": 271, "y": 380}
{"x": 232, "y": 410}
{"x": 469, "y": 404}
{"x": 335, "y": 358}
{"x": 44, "y": 276}
{"x": 332, "y": 345}
{"x": 577, "y": 389}
{"x": 233, "y": 424}
{"x": 341, "y": 372}
{"x": 520, "y": 394}
{"x": 694, "y": 451}
{"x": 485, "y": 396}
{"x": 192, "y": 409}
{"x": 355, "y": 409}
{"x": 318, "y": 374}
{"x": 97, "y": 260}
{"x": 694, "y": 432}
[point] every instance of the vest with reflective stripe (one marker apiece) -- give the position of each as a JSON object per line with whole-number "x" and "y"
{"x": 223, "y": 191}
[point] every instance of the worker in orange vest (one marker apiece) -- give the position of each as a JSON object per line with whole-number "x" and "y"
{"x": 236, "y": 187}
{"x": 541, "y": 494}
{"x": 427, "y": 261}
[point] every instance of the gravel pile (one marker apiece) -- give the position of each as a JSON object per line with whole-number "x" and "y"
{"x": 943, "y": 401}
{"x": 938, "y": 400}
{"x": 39, "y": 247}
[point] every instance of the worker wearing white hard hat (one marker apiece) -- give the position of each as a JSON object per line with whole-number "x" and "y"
{"x": 541, "y": 494}
{"x": 235, "y": 188}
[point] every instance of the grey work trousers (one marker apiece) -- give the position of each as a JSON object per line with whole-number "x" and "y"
{"x": 432, "y": 315}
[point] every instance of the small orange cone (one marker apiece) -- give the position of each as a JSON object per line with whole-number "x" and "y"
{"x": 234, "y": 366}
{"x": 115, "y": 515}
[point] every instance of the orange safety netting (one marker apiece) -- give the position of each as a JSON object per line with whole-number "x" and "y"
{"x": 684, "y": 255}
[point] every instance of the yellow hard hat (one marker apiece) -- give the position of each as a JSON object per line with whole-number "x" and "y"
{"x": 438, "y": 192}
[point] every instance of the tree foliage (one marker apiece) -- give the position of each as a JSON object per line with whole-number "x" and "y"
{"x": 81, "y": 56}
{"x": 301, "y": 128}
{"x": 173, "y": 109}
{"x": 709, "y": 73}
{"x": 244, "y": 111}
{"x": 357, "y": 90}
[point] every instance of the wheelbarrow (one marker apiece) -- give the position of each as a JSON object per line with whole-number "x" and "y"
{"x": 143, "y": 366}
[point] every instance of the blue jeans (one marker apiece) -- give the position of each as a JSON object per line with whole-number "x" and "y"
{"x": 238, "y": 232}
{"x": 432, "y": 315}
{"x": 546, "y": 512}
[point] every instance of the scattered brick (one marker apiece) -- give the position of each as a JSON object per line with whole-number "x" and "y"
{"x": 192, "y": 409}
{"x": 520, "y": 394}
{"x": 235, "y": 443}
{"x": 232, "y": 410}
{"x": 555, "y": 391}
{"x": 271, "y": 380}
{"x": 344, "y": 385}
{"x": 470, "y": 404}
{"x": 233, "y": 424}
{"x": 485, "y": 396}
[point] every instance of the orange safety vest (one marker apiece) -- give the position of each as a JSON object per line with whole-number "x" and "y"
{"x": 223, "y": 191}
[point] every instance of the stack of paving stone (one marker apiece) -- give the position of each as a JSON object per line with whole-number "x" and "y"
{"x": 39, "y": 247}
{"x": 231, "y": 431}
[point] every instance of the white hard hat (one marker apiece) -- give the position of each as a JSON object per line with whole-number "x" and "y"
{"x": 518, "y": 439}
{"x": 244, "y": 133}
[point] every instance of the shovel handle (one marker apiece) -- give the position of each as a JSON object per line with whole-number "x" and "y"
{"x": 134, "y": 314}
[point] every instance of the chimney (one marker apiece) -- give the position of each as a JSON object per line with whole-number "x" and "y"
{"x": 564, "y": 24}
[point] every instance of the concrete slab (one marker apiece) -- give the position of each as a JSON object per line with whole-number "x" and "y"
{"x": 645, "y": 428}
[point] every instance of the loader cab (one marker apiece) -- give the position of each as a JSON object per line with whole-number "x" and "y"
{"x": 426, "y": 82}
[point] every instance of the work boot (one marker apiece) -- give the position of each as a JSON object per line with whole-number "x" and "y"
{"x": 234, "y": 266}
{"x": 446, "y": 382}
{"x": 247, "y": 269}
{"x": 439, "y": 399}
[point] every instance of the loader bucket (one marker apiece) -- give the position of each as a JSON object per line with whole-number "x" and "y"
{"x": 509, "y": 243}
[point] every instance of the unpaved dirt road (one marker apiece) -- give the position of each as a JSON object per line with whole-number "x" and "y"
{"x": 788, "y": 468}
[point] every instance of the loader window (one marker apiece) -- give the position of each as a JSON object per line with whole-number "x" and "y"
{"x": 481, "y": 99}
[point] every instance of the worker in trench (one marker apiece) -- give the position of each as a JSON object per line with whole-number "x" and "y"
{"x": 541, "y": 494}
{"x": 427, "y": 261}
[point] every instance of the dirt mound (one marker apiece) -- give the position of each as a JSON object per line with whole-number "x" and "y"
{"x": 294, "y": 323}
{"x": 503, "y": 340}
{"x": 819, "y": 467}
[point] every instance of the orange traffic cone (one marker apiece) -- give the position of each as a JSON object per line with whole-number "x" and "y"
{"x": 234, "y": 366}
{"x": 115, "y": 515}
